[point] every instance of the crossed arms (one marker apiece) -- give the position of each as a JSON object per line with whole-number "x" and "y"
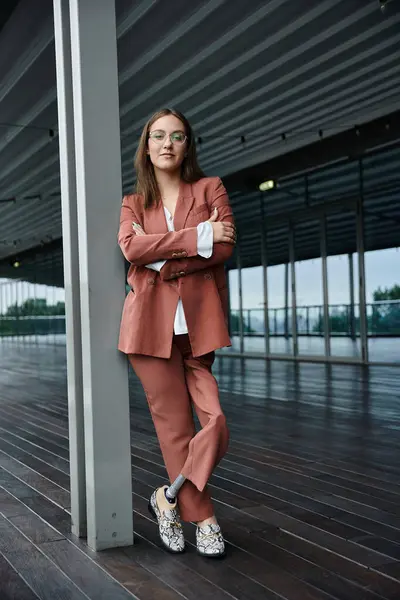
{"x": 141, "y": 250}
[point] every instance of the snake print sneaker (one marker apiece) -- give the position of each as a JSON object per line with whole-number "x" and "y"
{"x": 169, "y": 527}
{"x": 210, "y": 542}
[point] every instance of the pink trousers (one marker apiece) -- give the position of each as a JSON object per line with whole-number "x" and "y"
{"x": 172, "y": 386}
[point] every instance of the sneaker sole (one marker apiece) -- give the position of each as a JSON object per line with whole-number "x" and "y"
{"x": 153, "y": 514}
{"x": 216, "y": 556}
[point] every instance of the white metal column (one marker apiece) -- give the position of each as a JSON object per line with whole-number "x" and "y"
{"x": 325, "y": 291}
{"x": 98, "y": 180}
{"x": 286, "y": 324}
{"x": 71, "y": 267}
{"x": 293, "y": 290}
{"x": 361, "y": 267}
{"x": 240, "y": 290}
{"x": 352, "y": 303}
{"x": 264, "y": 263}
{"x": 228, "y": 286}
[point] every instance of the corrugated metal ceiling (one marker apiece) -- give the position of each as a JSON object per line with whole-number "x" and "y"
{"x": 255, "y": 68}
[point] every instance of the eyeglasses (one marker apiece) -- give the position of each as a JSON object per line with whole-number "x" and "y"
{"x": 176, "y": 137}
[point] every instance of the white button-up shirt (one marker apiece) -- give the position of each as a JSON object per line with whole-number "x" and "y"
{"x": 205, "y": 241}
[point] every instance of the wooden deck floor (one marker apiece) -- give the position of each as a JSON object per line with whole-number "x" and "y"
{"x": 308, "y": 496}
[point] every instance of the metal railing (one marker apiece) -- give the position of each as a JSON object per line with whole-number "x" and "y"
{"x": 383, "y": 319}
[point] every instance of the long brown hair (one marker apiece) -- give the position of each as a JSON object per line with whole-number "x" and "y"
{"x": 146, "y": 182}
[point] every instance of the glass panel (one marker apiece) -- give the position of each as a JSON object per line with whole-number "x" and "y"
{"x": 234, "y": 312}
{"x": 343, "y": 312}
{"x": 279, "y": 286}
{"x": 309, "y": 291}
{"x": 383, "y": 304}
{"x": 32, "y": 313}
{"x": 253, "y": 314}
{"x": 381, "y": 191}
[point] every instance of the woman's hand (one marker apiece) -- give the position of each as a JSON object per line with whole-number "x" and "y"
{"x": 137, "y": 229}
{"x": 223, "y": 231}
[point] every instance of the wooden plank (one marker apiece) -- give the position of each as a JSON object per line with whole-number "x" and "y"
{"x": 308, "y": 495}
{"x": 35, "y": 480}
{"x": 46, "y": 580}
{"x": 12, "y": 586}
{"x": 85, "y": 573}
{"x": 121, "y": 568}
{"x": 11, "y": 506}
{"x": 36, "y": 502}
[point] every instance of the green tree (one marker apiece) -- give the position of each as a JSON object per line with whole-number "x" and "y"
{"x": 338, "y": 323}
{"x": 235, "y": 324}
{"x": 35, "y": 307}
{"x": 385, "y": 317}
{"x": 392, "y": 293}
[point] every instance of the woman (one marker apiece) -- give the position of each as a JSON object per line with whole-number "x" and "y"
{"x": 177, "y": 231}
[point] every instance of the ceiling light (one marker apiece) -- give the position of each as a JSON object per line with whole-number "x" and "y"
{"x": 267, "y": 185}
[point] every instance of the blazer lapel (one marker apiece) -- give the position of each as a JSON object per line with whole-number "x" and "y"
{"x": 156, "y": 221}
{"x": 183, "y": 205}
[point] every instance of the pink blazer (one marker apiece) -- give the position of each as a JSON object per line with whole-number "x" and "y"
{"x": 147, "y": 323}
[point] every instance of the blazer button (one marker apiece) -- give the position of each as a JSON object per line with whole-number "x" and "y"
{"x": 184, "y": 254}
{"x": 181, "y": 273}
{"x": 175, "y": 254}
{"x": 150, "y": 281}
{"x": 207, "y": 276}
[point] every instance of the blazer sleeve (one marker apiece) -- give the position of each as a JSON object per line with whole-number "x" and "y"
{"x": 221, "y": 250}
{"x": 144, "y": 249}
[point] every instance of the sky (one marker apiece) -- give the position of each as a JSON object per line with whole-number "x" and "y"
{"x": 382, "y": 270}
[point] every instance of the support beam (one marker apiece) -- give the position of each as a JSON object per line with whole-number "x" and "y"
{"x": 102, "y": 290}
{"x": 228, "y": 285}
{"x": 264, "y": 263}
{"x": 361, "y": 267}
{"x": 325, "y": 291}
{"x": 293, "y": 291}
{"x": 240, "y": 286}
{"x": 71, "y": 267}
{"x": 351, "y": 288}
{"x": 286, "y": 300}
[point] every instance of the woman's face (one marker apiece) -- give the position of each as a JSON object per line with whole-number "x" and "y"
{"x": 167, "y": 143}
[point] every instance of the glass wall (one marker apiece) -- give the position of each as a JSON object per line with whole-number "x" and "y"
{"x": 382, "y": 268}
{"x": 381, "y": 193}
{"x": 31, "y": 312}
{"x": 333, "y": 289}
{"x": 309, "y": 288}
{"x": 279, "y": 291}
{"x": 344, "y": 321}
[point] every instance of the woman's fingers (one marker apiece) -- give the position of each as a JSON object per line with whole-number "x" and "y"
{"x": 228, "y": 240}
{"x": 137, "y": 229}
{"x": 229, "y": 230}
{"x": 224, "y": 232}
{"x": 214, "y": 216}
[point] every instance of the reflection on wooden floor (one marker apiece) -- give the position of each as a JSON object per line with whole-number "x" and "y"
{"x": 308, "y": 496}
